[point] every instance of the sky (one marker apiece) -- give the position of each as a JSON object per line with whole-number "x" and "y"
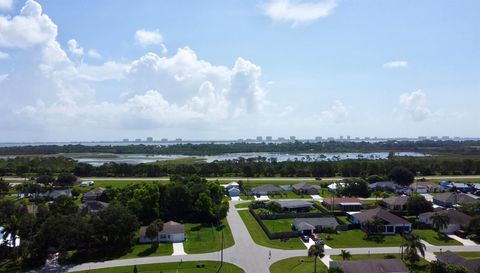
{"x": 106, "y": 70}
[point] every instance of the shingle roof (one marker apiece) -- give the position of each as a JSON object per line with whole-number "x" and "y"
{"x": 172, "y": 227}
{"x": 449, "y": 257}
{"x": 455, "y": 198}
{"x": 313, "y": 222}
{"x": 94, "y": 205}
{"x": 455, "y": 216}
{"x": 97, "y": 192}
{"x": 294, "y": 204}
{"x": 302, "y": 186}
{"x": 383, "y": 184}
{"x": 267, "y": 188}
{"x": 373, "y": 266}
{"x": 341, "y": 200}
{"x": 414, "y": 185}
{"x": 398, "y": 200}
{"x": 368, "y": 215}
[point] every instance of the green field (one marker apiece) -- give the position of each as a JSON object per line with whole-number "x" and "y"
{"x": 297, "y": 265}
{"x": 279, "y": 225}
{"x": 436, "y": 239}
{"x": 356, "y": 238}
{"x": 177, "y": 267}
{"x": 206, "y": 238}
{"x": 261, "y": 238}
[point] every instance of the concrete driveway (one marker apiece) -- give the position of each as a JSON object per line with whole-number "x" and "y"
{"x": 178, "y": 249}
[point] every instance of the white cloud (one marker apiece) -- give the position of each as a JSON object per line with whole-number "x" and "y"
{"x": 4, "y": 56}
{"x": 74, "y": 47}
{"x": 337, "y": 113}
{"x": 414, "y": 106}
{"x": 6, "y": 4}
{"x": 92, "y": 53}
{"x": 396, "y": 64}
{"x": 3, "y": 77}
{"x": 146, "y": 38}
{"x": 298, "y": 12}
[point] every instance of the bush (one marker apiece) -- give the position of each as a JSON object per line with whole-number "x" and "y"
{"x": 389, "y": 256}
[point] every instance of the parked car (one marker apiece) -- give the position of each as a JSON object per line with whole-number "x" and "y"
{"x": 319, "y": 241}
{"x": 461, "y": 233}
{"x": 305, "y": 238}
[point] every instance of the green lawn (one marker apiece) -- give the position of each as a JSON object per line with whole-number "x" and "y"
{"x": 344, "y": 219}
{"x": 297, "y": 265}
{"x": 290, "y": 195}
{"x": 185, "y": 267}
{"x": 436, "y": 239}
{"x": 149, "y": 250}
{"x": 261, "y": 238}
{"x": 421, "y": 266}
{"x": 466, "y": 255}
{"x": 206, "y": 238}
{"x": 279, "y": 225}
{"x": 242, "y": 205}
{"x": 356, "y": 238}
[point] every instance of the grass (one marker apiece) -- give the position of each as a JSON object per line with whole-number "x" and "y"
{"x": 206, "y": 238}
{"x": 149, "y": 250}
{"x": 356, "y": 238}
{"x": 242, "y": 205}
{"x": 279, "y": 225}
{"x": 190, "y": 267}
{"x": 297, "y": 265}
{"x": 261, "y": 238}
{"x": 290, "y": 195}
{"x": 344, "y": 219}
{"x": 10, "y": 266}
{"x": 435, "y": 238}
{"x": 466, "y": 255}
{"x": 421, "y": 266}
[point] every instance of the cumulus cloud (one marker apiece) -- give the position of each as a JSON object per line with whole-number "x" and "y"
{"x": 395, "y": 64}
{"x": 6, "y": 4}
{"x": 74, "y": 47}
{"x": 4, "y": 56}
{"x": 337, "y": 113}
{"x": 92, "y": 53}
{"x": 298, "y": 12}
{"x": 146, "y": 38}
{"x": 414, "y": 105}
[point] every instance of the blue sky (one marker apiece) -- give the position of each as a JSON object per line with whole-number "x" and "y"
{"x": 90, "y": 70}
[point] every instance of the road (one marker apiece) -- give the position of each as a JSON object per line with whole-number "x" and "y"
{"x": 251, "y": 257}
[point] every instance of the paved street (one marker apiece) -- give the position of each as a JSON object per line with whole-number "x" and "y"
{"x": 251, "y": 257}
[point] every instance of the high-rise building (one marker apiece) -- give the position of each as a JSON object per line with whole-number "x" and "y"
{"x": 259, "y": 138}
{"x": 138, "y": 140}
{"x": 149, "y": 139}
{"x": 318, "y": 138}
{"x": 164, "y": 139}
{"x": 268, "y": 138}
{"x": 178, "y": 140}
{"x": 281, "y": 139}
{"x": 125, "y": 140}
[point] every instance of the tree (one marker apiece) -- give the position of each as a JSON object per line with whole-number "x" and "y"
{"x": 418, "y": 204}
{"x": 315, "y": 251}
{"x": 401, "y": 175}
{"x": 413, "y": 246}
{"x": 152, "y": 232}
{"x": 345, "y": 255}
{"x": 45, "y": 179}
{"x": 135, "y": 270}
{"x": 440, "y": 221}
{"x": 373, "y": 227}
{"x": 474, "y": 226}
{"x": 204, "y": 206}
{"x": 115, "y": 226}
{"x": 335, "y": 270}
{"x": 4, "y": 187}
{"x": 66, "y": 180}
{"x": 63, "y": 205}
{"x": 354, "y": 187}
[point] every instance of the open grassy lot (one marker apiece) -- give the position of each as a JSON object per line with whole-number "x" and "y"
{"x": 297, "y": 265}
{"x": 466, "y": 255}
{"x": 436, "y": 239}
{"x": 206, "y": 238}
{"x": 279, "y": 225}
{"x": 421, "y": 266}
{"x": 356, "y": 238}
{"x": 242, "y": 205}
{"x": 180, "y": 267}
{"x": 261, "y": 238}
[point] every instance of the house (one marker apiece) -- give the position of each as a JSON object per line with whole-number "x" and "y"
{"x": 448, "y": 257}
{"x": 54, "y": 194}
{"x": 392, "y": 223}
{"x": 304, "y": 188}
{"x": 172, "y": 232}
{"x": 333, "y": 187}
{"x": 295, "y": 205}
{"x": 463, "y": 187}
{"x": 389, "y": 186}
{"x": 343, "y": 204}
{"x": 395, "y": 203}
{"x": 425, "y": 187}
{"x": 308, "y": 226}
{"x": 93, "y": 206}
{"x": 87, "y": 183}
{"x": 232, "y": 185}
{"x": 232, "y": 192}
{"x": 267, "y": 190}
{"x": 450, "y": 199}
{"x": 7, "y": 240}
{"x": 371, "y": 266}
{"x": 457, "y": 219}
{"x": 93, "y": 194}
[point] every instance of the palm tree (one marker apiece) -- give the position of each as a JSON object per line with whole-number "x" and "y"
{"x": 413, "y": 245}
{"x": 345, "y": 255}
{"x": 315, "y": 251}
{"x": 440, "y": 221}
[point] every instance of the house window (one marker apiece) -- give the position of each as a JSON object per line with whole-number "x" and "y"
{"x": 163, "y": 236}
{"x": 389, "y": 228}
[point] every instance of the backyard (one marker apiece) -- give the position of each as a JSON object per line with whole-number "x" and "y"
{"x": 206, "y": 238}
{"x": 279, "y": 225}
{"x": 435, "y": 238}
{"x": 357, "y": 238}
{"x": 177, "y": 267}
{"x": 297, "y": 265}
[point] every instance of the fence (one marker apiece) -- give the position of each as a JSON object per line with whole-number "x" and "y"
{"x": 273, "y": 235}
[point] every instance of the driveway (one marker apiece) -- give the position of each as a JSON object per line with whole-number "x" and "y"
{"x": 262, "y": 198}
{"x": 235, "y": 198}
{"x": 178, "y": 249}
{"x": 465, "y": 242}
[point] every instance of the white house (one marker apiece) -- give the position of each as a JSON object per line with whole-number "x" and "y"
{"x": 87, "y": 183}
{"x": 172, "y": 232}
{"x": 232, "y": 185}
{"x": 457, "y": 219}
{"x": 333, "y": 187}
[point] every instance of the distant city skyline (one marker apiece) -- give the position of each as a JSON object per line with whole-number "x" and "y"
{"x": 103, "y": 70}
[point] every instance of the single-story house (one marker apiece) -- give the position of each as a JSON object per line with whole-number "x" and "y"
{"x": 383, "y": 186}
{"x": 371, "y": 266}
{"x": 344, "y": 203}
{"x": 267, "y": 190}
{"x": 457, "y": 219}
{"x": 93, "y": 194}
{"x": 294, "y": 205}
{"x": 333, "y": 187}
{"x": 172, "y": 232}
{"x": 307, "y": 226}
{"x": 450, "y": 199}
{"x": 392, "y": 223}
{"x": 234, "y": 192}
{"x": 425, "y": 187}
{"x": 232, "y": 185}
{"x": 304, "y": 188}
{"x": 395, "y": 203}
{"x": 54, "y": 194}
{"x": 93, "y": 206}
{"x": 87, "y": 183}
{"x": 463, "y": 187}
{"x": 448, "y": 257}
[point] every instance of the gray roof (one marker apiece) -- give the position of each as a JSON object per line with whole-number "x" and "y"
{"x": 169, "y": 228}
{"x": 398, "y": 200}
{"x": 455, "y": 216}
{"x": 373, "y": 266}
{"x": 368, "y": 215}
{"x": 94, "y": 205}
{"x": 56, "y": 193}
{"x": 294, "y": 204}
{"x": 313, "y": 222}
{"x": 267, "y": 188}
{"x": 95, "y": 193}
{"x": 303, "y": 186}
{"x": 449, "y": 257}
{"x": 455, "y": 198}
{"x": 383, "y": 184}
